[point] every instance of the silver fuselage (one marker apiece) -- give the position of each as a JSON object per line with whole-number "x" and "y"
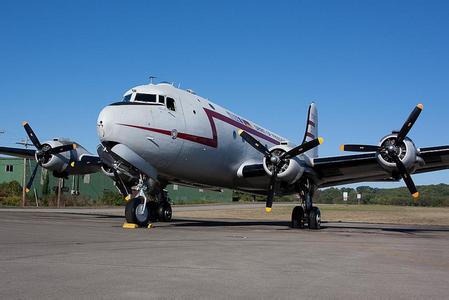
{"x": 196, "y": 143}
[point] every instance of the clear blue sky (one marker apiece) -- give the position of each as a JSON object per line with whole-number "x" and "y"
{"x": 365, "y": 63}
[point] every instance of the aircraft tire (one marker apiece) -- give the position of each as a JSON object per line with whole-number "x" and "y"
{"x": 153, "y": 207}
{"x": 297, "y": 217}
{"x": 165, "y": 212}
{"x": 132, "y": 214}
{"x": 315, "y": 218}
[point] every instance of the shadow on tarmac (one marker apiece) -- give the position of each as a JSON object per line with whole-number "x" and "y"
{"x": 324, "y": 226}
{"x": 249, "y": 223}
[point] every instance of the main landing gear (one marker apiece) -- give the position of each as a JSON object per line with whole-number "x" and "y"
{"x": 141, "y": 211}
{"x": 306, "y": 213}
{"x": 300, "y": 218}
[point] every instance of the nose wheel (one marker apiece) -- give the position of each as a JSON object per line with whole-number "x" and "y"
{"x": 136, "y": 212}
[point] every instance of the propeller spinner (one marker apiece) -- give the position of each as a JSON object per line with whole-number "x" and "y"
{"x": 391, "y": 151}
{"x": 277, "y": 160}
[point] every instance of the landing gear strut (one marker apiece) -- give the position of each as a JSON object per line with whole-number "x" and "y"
{"x": 306, "y": 212}
{"x": 137, "y": 211}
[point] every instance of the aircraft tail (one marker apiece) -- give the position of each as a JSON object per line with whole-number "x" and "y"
{"x": 311, "y": 129}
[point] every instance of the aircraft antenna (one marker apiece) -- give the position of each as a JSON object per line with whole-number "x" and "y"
{"x": 151, "y": 78}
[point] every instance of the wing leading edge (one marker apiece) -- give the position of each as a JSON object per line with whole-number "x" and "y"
{"x": 17, "y": 152}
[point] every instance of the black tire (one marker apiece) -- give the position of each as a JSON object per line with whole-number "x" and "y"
{"x": 315, "y": 218}
{"x": 132, "y": 214}
{"x": 164, "y": 212}
{"x": 153, "y": 207}
{"x": 297, "y": 217}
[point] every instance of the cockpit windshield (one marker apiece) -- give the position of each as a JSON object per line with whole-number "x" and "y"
{"x": 127, "y": 98}
{"x": 151, "y": 98}
{"x": 145, "y": 98}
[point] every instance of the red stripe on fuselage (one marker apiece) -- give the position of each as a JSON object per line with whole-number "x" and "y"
{"x": 211, "y": 142}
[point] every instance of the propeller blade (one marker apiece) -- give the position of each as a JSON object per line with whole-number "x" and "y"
{"x": 63, "y": 148}
{"x": 30, "y": 182}
{"x": 360, "y": 148}
{"x": 409, "y": 123}
{"x": 303, "y": 148}
{"x": 271, "y": 190}
{"x": 406, "y": 176}
{"x": 32, "y": 135}
{"x": 253, "y": 142}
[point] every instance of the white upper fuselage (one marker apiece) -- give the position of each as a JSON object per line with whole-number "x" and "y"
{"x": 193, "y": 141}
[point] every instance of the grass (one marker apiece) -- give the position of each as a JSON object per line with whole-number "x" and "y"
{"x": 336, "y": 213}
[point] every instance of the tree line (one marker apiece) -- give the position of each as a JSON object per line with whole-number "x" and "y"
{"x": 430, "y": 195}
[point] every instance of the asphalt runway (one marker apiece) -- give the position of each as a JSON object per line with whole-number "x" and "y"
{"x": 54, "y": 254}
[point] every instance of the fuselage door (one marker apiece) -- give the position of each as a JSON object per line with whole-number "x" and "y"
{"x": 169, "y": 118}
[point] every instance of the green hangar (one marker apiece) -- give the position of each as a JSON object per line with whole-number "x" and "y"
{"x": 92, "y": 189}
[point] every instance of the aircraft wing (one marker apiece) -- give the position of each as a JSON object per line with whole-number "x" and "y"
{"x": 17, "y": 152}
{"x": 339, "y": 170}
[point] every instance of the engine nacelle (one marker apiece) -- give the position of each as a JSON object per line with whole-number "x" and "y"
{"x": 406, "y": 151}
{"x": 60, "y": 163}
{"x": 291, "y": 169}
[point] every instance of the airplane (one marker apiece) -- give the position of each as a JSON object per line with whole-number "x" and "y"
{"x": 160, "y": 134}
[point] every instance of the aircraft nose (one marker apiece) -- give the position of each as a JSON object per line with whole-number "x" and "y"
{"x": 104, "y": 123}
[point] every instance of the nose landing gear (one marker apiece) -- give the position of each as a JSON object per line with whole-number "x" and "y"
{"x": 141, "y": 211}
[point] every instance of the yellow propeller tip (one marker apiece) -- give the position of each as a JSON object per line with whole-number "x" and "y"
{"x": 415, "y": 195}
{"x": 268, "y": 209}
{"x": 72, "y": 164}
{"x": 24, "y": 123}
{"x": 320, "y": 140}
{"x": 342, "y": 147}
{"x": 127, "y": 197}
{"x": 240, "y": 131}
{"x": 420, "y": 106}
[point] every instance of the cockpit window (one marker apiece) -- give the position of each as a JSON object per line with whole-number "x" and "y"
{"x": 145, "y": 98}
{"x": 171, "y": 104}
{"x": 127, "y": 98}
{"x": 161, "y": 99}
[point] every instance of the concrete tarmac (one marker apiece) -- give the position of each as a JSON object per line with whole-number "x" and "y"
{"x": 54, "y": 254}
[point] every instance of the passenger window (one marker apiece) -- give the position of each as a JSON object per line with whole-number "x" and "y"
{"x": 171, "y": 104}
{"x": 145, "y": 98}
{"x": 161, "y": 99}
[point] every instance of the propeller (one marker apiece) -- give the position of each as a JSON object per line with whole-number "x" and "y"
{"x": 43, "y": 152}
{"x": 391, "y": 149}
{"x": 277, "y": 160}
